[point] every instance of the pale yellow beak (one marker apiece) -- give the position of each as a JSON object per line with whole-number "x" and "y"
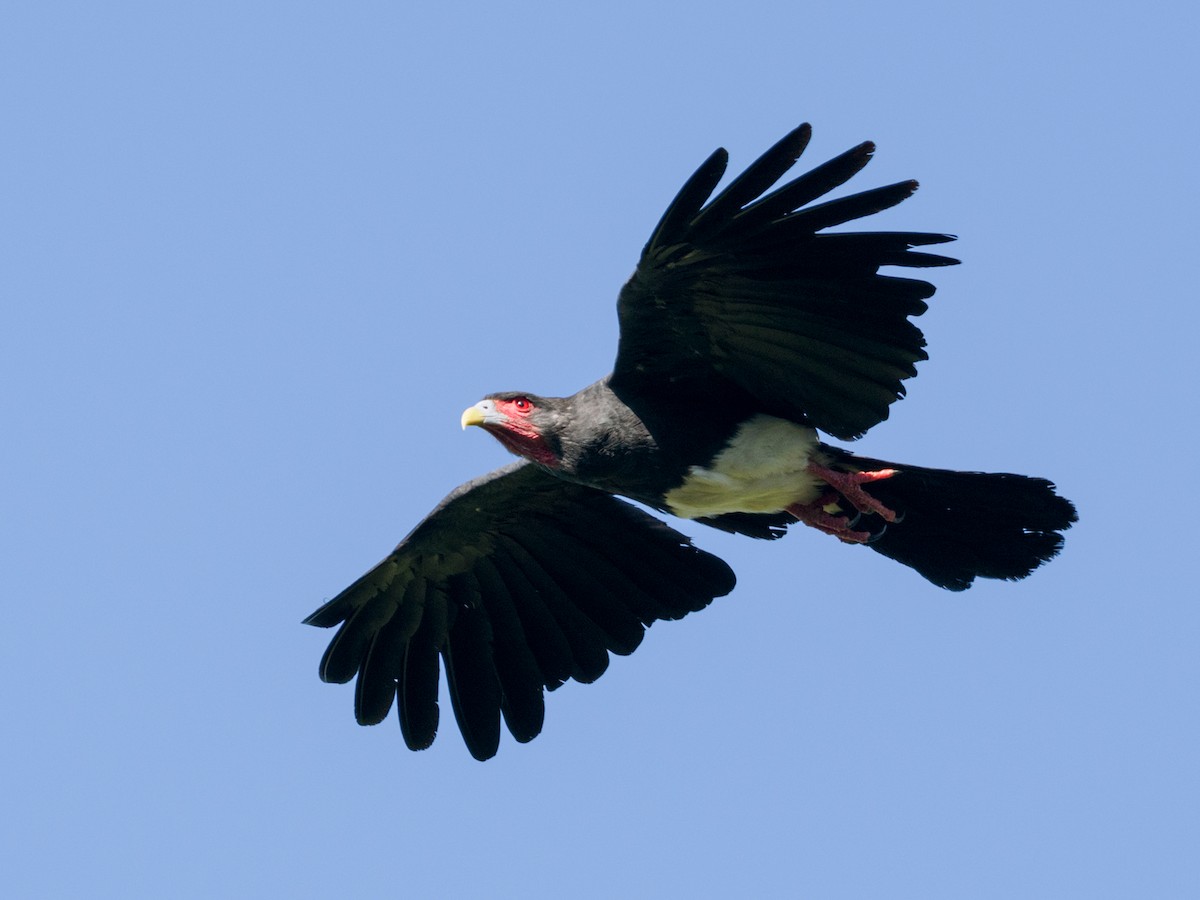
{"x": 472, "y": 415}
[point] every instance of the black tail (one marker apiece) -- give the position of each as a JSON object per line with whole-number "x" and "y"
{"x": 956, "y": 526}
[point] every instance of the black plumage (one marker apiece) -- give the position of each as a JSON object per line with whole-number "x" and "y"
{"x": 746, "y": 328}
{"x": 520, "y": 581}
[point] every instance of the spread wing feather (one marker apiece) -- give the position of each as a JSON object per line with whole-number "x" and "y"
{"x": 749, "y": 290}
{"x": 518, "y": 581}
{"x": 585, "y": 642}
{"x": 418, "y": 668}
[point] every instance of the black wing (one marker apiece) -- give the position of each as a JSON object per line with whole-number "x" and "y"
{"x": 519, "y": 580}
{"x": 749, "y": 291}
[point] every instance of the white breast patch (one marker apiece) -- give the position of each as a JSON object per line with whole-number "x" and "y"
{"x": 763, "y": 470}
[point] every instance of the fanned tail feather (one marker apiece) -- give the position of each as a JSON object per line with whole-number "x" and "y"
{"x": 954, "y": 527}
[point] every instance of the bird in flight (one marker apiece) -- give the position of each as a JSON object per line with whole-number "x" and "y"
{"x": 747, "y": 331}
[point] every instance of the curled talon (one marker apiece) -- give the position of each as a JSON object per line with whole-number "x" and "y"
{"x": 817, "y": 516}
{"x": 849, "y": 485}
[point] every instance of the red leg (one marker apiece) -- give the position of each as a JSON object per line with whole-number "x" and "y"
{"x": 817, "y": 516}
{"x": 847, "y": 486}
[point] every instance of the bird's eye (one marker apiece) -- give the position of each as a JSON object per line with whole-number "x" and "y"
{"x": 522, "y": 404}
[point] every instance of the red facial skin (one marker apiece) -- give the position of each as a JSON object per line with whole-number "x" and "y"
{"x": 518, "y": 434}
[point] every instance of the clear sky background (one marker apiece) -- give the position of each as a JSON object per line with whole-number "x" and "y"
{"x": 258, "y": 257}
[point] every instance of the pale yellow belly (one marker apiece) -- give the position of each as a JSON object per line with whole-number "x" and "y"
{"x": 763, "y": 470}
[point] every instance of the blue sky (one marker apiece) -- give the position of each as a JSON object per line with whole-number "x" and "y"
{"x": 257, "y": 259}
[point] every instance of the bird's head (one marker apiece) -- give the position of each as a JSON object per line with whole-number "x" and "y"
{"x": 523, "y": 423}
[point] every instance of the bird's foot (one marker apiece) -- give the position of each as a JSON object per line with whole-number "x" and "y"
{"x": 826, "y": 514}
{"x": 849, "y": 485}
